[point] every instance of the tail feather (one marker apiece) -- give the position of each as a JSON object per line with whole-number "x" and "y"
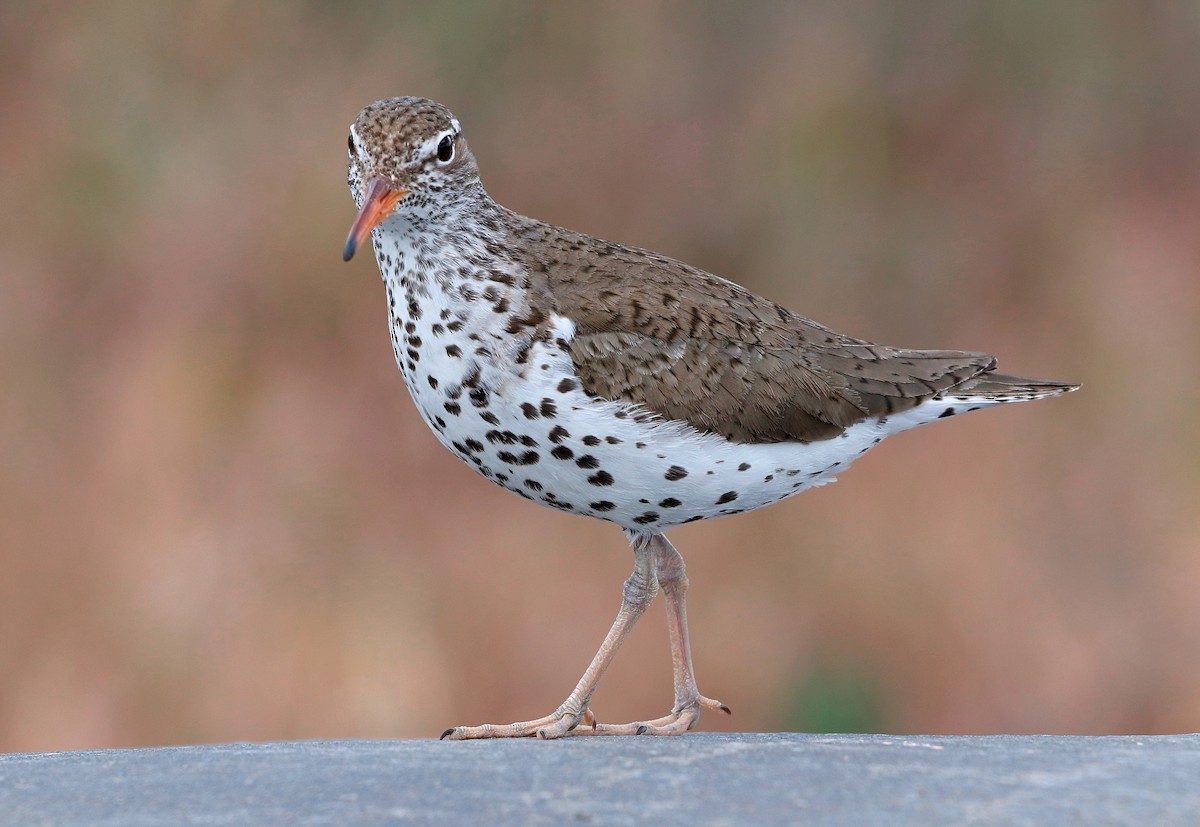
{"x": 1000, "y": 387}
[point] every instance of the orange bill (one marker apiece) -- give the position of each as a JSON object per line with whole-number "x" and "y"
{"x": 378, "y": 204}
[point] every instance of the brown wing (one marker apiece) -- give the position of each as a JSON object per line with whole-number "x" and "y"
{"x": 691, "y": 346}
{"x": 749, "y": 393}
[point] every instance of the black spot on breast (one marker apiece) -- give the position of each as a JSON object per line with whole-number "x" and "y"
{"x": 601, "y": 478}
{"x": 670, "y": 502}
{"x": 727, "y": 497}
{"x": 562, "y": 452}
{"x": 473, "y": 445}
{"x": 453, "y": 408}
{"x": 433, "y": 382}
{"x": 479, "y": 397}
{"x": 946, "y": 413}
{"x": 529, "y": 411}
{"x": 453, "y": 351}
{"x": 591, "y": 440}
{"x": 522, "y": 354}
{"x": 603, "y": 505}
{"x": 587, "y": 461}
{"x": 644, "y": 519}
{"x": 527, "y": 458}
{"x": 675, "y": 472}
{"x": 558, "y": 433}
{"x": 613, "y": 440}
{"x": 745, "y": 466}
{"x": 566, "y": 386}
{"x": 533, "y": 485}
{"x": 490, "y": 418}
{"x": 548, "y": 409}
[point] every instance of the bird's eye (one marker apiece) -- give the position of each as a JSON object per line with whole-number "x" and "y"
{"x": 350, "y": 143}
{"x": 445, "y": 150}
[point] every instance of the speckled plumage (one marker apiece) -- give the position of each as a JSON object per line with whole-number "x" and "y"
{"x": 614, "y": 382}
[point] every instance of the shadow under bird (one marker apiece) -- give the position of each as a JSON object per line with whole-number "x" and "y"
{"x": 617, "y": 383}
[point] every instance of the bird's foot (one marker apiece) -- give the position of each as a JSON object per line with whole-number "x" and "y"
{"x": 561, "y": 722}
{"x": 681, "y": 719}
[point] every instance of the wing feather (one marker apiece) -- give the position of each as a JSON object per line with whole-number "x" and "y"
{"x": 690, "y": 346}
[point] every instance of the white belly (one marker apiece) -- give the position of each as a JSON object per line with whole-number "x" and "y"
{"x": 534, "y": 431}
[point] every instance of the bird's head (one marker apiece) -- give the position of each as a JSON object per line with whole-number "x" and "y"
{"x": 407, "y": 157}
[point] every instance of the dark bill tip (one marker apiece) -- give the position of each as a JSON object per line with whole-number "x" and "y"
{"x": 378, "y": 202}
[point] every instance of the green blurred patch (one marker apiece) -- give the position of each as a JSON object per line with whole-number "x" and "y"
{"x": 98, "y": 195}
{"x": 836, "y": 694}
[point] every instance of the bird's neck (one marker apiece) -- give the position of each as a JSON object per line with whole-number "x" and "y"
{"x": 458, "y": 268}
{"x": 441, "y": 241}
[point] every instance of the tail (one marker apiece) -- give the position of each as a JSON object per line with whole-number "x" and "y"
{"x": 997, "y": 387}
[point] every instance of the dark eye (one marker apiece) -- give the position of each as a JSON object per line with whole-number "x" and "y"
{"x": 446, "y": 149}
{"x": 350, "y": 143}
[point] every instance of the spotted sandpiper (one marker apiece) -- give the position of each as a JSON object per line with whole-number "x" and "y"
{"x": 615, "y": 382}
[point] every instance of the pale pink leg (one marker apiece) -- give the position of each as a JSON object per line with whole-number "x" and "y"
{"x": 656, "y": 563}
{"x": 672, "y": 578}
{"x": 639, "y": 590}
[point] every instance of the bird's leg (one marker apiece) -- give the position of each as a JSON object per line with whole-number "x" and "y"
{"x": 639, "y": 590}
{"x": 672, "y": 578}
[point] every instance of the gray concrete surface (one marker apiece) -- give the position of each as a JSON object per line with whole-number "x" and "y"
{"x": 698, "y": 779}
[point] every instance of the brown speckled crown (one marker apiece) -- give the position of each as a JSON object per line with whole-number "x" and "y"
{"x": 393, "y": 128}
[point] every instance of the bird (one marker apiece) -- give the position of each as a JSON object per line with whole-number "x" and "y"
{"x": 616, "y": 383}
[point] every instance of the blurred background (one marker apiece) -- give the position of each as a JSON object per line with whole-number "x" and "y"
{"x": 222, "y": 519}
